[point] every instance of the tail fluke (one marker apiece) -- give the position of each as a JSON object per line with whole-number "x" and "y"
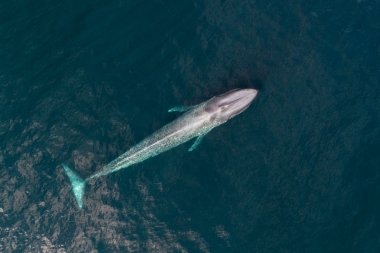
{"x": 77, "y": 183}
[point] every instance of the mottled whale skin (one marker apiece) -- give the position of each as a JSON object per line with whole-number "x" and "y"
{"x": 196, "y": 122}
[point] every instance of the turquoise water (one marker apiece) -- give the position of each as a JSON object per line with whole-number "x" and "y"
{"x": 83, "y": 81}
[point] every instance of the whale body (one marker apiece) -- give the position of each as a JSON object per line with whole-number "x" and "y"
{"x": 196, "y": 122}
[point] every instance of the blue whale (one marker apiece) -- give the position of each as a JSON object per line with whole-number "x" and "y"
{"x": 196, "y": 122}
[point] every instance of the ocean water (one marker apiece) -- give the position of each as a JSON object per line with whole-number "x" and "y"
{"x": 83, "y": 81}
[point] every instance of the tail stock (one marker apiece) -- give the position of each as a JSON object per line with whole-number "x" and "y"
{"x": 77, "y": 183}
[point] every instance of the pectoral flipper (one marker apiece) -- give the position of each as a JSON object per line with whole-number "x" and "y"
{"x": 180, "y": 108}
{"x": 183, "y": 108}
{"x": 197, "y": 141}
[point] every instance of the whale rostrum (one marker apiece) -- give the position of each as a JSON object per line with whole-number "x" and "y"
{"x": 197, "y": 121}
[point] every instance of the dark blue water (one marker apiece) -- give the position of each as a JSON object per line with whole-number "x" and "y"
{"x": 83, "y": 81}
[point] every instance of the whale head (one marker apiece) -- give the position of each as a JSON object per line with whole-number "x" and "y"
{"x": 230, "y": 104}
